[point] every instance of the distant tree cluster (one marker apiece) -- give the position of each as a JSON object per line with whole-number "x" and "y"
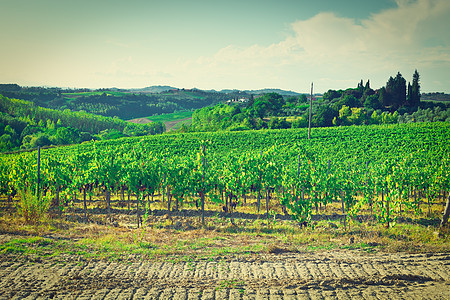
{"x": 435, "y": 114}
{"x": 243, "y": 116}
{"x": 355, "y": 106}
{"x": 395, "y": 94}
{"x": 435, "y": 96}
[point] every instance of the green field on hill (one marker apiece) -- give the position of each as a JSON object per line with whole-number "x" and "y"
{"x": 179, "y": 115}
{"x": 86, "y": 94}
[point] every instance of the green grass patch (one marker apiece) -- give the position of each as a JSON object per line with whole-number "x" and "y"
{"x": 171, "y": 117}
{"x": 221, "y": 239}
{"x": 181, "y": 123}
{"x": 86, "y": 94}
{"x": 26, "y": 245}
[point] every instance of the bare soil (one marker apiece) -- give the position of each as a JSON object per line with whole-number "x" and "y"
{"x": 276, "y": 273}
{"x": 140, "y": 121}
{"x": 171, "y": 124}
{"x": 341, "y": 274}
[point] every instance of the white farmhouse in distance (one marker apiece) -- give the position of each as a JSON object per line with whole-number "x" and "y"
{"x": 236, "y": 100}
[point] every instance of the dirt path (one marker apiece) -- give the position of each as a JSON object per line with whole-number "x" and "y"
{"x": 341, "y": 274}
{"x": 140, "y": 121}
{"x": 171, "y": 124}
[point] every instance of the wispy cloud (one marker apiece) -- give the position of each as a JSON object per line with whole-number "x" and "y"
{"x": 412, "y": 35}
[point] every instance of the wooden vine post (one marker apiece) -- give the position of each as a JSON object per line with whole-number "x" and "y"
{"x": 446, "y": 211}
{"x": 298, "y": 176}
{"x": 203, "y": 185}
{"x": 108, "y": 194}
{"x": 328, "y": 176}
{"x": 85, "y": 204}
{"x": 258, "y": 200}
{"x": 267, "y": 204}
{"x": 365, "y": 180}
{"x": 169, "y": 200}
{"x": 137, "y": 209}
{"x": 108, "y": 201}
{"x": 38, "y": 171}
{"x": 310, "y": 112}
{"x": 387, "y": 208}
{"x": 129, "y": 198}
{"x": 164, "y": 179}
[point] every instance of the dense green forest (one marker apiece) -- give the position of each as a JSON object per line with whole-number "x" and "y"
{"x": 124, "y": 104}
{"x": 24, "y": 125}
{"x": 397, "y": 102}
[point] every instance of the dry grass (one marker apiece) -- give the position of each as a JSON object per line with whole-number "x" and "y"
{"x": 184, "y": 238}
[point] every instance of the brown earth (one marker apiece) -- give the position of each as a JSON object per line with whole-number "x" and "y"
{"x": 140, "y": 121}
{"x": 171, "y": 124}
{"x": 339, "y": 274}
{"x": 277, "y": 273}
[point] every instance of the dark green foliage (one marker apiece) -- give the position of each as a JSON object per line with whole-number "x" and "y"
{"x": 300, "y": 123}
{"x": 261, "y": 108}
{"x": 42, "y": 141}
{"x": 395, "y": 92}
{"x": 278, "y": 123}
{"x": 414, "y": 90}
{"x": 372, "y": 102}
{"x": 302, "y": 99}
{"x": 325, "y": 116}
{"x": 347, "y": 100}
{"x": 332, "y": 94}
{"x": 15, "y": 123}
{"x": 9, "y": 87}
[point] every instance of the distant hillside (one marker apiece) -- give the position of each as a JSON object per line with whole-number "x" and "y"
{"x": 278, "y": 91}
{"x": 263, "y": 91}
{"x": 124, "y": 104}
{"x": 164, "y": 88}
{"x": 435, "y": 97}
{"x": 154, "y": 89}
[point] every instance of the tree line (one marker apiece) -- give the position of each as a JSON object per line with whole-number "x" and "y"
{"x": 114, "y": 102}
{"x": 397, "y": 102}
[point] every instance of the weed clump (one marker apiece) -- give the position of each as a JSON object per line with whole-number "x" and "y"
{"x": 32, "y": 207}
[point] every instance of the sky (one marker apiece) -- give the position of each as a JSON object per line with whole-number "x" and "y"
{"x": 231, "y": 44}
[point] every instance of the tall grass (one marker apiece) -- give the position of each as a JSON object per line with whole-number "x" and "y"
{"x": 31, "y": 207}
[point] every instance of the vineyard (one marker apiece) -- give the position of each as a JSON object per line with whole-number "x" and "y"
{"x": 389, "y": 170}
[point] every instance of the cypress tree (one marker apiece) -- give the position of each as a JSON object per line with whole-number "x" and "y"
{"x": 367, "y": 87}
{"x": 396, "y": 91}
{"x": 409, "y": 96}
{"x": 415, "y": 89}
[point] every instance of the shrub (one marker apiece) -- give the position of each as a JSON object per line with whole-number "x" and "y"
{"x": 31, "y": 207}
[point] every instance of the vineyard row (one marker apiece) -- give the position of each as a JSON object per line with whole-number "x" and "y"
{"x": 298, "y": 181}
